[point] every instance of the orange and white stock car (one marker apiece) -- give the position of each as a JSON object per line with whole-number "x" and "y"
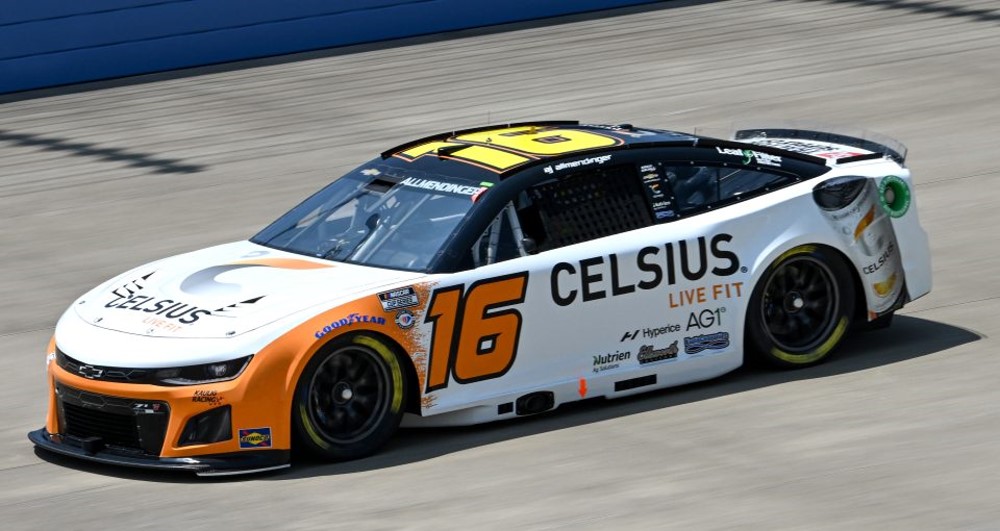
{"x": 483, "y": 275}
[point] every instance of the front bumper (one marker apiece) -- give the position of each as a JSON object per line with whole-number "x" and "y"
{"x": 246, "y": 462}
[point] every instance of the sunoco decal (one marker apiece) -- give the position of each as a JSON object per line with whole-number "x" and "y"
{"x": 255, "y": 437}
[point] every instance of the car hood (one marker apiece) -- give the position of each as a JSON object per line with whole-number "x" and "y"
{"x": 226, "y": 291}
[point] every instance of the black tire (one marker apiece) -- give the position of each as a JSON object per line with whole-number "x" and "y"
{"x": 880, "y": 323}
{"x": 349, "y": 400}
{"x": 800, "y": 308}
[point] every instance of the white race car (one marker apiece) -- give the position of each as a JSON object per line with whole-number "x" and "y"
{"x": 483, "y": 275}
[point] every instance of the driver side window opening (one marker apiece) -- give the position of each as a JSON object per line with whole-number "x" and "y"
{"x": 698, "y": 188}
{"x": 502, "y": 240}
{"x": 573, "y": 208}
{"x": 584, "y": 206}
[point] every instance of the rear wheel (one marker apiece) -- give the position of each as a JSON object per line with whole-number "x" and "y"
{"x": 349, "y": 399}
{"x": 801, "y": 307}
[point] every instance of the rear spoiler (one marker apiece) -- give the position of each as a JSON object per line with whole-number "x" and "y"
{"x": 880, "y": 147}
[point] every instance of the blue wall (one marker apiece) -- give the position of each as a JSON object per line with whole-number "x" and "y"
{"x": 55, "y": 42}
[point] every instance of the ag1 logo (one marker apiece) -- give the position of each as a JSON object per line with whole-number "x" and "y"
{"x": 705, "y": 319}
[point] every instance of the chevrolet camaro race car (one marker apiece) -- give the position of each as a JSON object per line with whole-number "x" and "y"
{"x": 483, "y": 275}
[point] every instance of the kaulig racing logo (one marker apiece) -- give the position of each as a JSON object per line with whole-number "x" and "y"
{"x": 599, "y": 277}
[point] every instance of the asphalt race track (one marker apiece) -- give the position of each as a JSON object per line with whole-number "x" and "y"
{"x": 901, "y": 430}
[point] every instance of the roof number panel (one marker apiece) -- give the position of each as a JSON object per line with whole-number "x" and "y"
{"x": 499, "y": 150}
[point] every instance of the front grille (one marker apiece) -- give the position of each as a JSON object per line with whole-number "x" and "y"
{"x": 116, "y": 430}
{"x": 119, "y": 423}
{"x": 100, "y": 372}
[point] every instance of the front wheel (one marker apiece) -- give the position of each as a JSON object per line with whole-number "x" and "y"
{"x": 349, "y": 399}
{"x": 801, "y": 308}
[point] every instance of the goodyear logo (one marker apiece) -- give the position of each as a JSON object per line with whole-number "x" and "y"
{"x": 255, "y": 437}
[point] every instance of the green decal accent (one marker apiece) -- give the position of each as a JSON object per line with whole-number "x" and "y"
{"x": 894, "y": 194}
{"x": 747, "y": 156}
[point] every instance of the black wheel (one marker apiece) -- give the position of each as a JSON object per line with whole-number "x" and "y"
{"x": 349, "y": 399}
{"x": 800, "y": 308}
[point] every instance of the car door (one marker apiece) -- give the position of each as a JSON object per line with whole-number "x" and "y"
{"x": 595, "y": 282}
{"x": 526, "y": 312}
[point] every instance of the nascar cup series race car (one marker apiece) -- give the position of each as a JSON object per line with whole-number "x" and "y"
{"x": 483, "y": 275}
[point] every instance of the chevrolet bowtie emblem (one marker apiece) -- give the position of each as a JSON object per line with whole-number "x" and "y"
{"x": 89, "y": 371}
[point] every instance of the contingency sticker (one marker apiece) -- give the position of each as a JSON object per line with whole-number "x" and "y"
{"x": 255, "y": 437}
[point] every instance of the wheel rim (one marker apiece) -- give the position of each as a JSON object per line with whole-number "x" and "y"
{"x": 800, "y": 304}
{"x": 347, "y": 394}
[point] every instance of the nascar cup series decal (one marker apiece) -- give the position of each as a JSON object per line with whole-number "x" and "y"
{"x": 398, "y": 298}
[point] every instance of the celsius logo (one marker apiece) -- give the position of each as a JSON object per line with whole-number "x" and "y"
{"x": 596, "y": 278}
{"x": 204, "y": 282}
{"x": 171, "y": 309}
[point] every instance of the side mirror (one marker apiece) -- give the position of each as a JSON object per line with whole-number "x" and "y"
{"x": 529, "y": 245}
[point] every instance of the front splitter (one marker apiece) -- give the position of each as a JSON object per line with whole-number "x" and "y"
{"x": 249, "y": 462}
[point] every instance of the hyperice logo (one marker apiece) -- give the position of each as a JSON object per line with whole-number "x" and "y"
{"x": 255, "y": 437}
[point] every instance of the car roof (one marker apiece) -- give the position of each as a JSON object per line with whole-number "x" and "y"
{"x": 493, "y": 152}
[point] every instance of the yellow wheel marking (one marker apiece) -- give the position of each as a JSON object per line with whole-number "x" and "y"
{"x": 307, "y": 424}
{"x": 792, "y": 252}
{"x": 822, "y": 350}
{"x": 390, "y": 358}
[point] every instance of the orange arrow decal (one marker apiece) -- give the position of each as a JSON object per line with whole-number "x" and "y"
{"x": 583, "y": 387}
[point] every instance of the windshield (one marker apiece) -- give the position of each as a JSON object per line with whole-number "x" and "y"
{"x": 377, "y": 215}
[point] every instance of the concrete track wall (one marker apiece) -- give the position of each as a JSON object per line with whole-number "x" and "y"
{"x": 55, "y": 42}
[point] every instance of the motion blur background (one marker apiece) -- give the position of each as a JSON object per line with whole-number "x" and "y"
{"x": 899, "y": 429}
